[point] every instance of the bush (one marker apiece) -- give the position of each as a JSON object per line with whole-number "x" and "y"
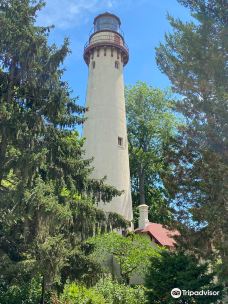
{"x": 116, "y": 293}
{"x": 74, "y": 293}
{"x": 106, "y": 291}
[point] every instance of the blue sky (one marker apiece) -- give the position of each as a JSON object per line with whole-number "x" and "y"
{"x": 144, "y": 24}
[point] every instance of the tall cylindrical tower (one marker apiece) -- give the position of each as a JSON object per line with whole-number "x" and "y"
{"x": 105, "y": 128}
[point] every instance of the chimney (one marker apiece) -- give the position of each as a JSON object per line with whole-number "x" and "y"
{"x": 143, "y": 216}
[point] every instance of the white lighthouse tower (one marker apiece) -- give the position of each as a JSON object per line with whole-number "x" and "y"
{"x": 105, "y": 128}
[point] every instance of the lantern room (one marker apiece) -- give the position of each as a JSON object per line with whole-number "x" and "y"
{"x": 107, "y": 21}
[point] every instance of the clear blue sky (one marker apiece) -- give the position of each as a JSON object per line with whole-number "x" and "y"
{"x": 144, "y": 24}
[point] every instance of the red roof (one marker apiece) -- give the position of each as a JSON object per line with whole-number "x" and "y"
{"x": 162, "y": 235}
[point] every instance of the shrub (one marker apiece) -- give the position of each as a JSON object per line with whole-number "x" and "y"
{"x": 106, "y": 291}
{"x": 74, "y": 293}
{"x": 116, "y": 293}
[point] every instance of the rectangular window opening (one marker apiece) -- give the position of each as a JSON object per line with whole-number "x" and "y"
{"x": 120, "y": 141}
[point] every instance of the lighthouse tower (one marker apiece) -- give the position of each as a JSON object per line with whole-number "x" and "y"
{"x": 105, "y": 128}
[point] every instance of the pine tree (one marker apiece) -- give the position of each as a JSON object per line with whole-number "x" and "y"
{"x": 178, "y": 270}
{"x": 47, "y": 198}
{"x": 194, "y": 57}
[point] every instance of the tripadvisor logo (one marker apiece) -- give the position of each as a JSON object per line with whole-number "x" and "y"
{"x": 177, "y": 293}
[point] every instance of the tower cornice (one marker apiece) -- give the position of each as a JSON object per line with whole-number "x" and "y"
{"x": 104, "y": 41}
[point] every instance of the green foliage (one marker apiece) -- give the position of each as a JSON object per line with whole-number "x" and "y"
{"x": 177, "y": 270}
{"x": 74, "y": 293}
{"x": 132, "y": 253}
{"x": 81, "y": 267}
{"x": 151, "y": 126}
{"x": 24, "y": 293}
{"x": 116, "y": 293}
{"x": 194, "y": 57}
{"x": 106, "y": 291}
{"x": 47, "y": 198}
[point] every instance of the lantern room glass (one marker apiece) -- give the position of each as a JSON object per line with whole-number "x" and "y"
{"x": 107, "y": 23}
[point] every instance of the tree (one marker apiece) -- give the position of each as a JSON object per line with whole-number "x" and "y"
{"x": 131, "y": 253}
{"x": 151, "y": 124}
{"x": 45, "y": 189}
{"x": 178, "y": 270}
{"x": 194, "y": 57}
{"x": 23, "y": 293}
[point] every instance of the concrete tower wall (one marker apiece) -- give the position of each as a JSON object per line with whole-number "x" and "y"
{"x": 105, "y": 128}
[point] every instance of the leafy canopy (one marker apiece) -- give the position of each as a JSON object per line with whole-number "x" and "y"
{"x": 131, "y": 253}
{"x": 151, "y": 124}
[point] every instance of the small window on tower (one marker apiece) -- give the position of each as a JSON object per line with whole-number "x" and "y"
{"x": 93, "y": 64}
{"x": 116, "y": 64}
{"x": 120, "y": 141}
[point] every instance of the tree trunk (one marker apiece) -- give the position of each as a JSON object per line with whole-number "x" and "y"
{"x": 3, "y": 149}
{"x": 141, "y": 185}
{"x": 42, "y": 292}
